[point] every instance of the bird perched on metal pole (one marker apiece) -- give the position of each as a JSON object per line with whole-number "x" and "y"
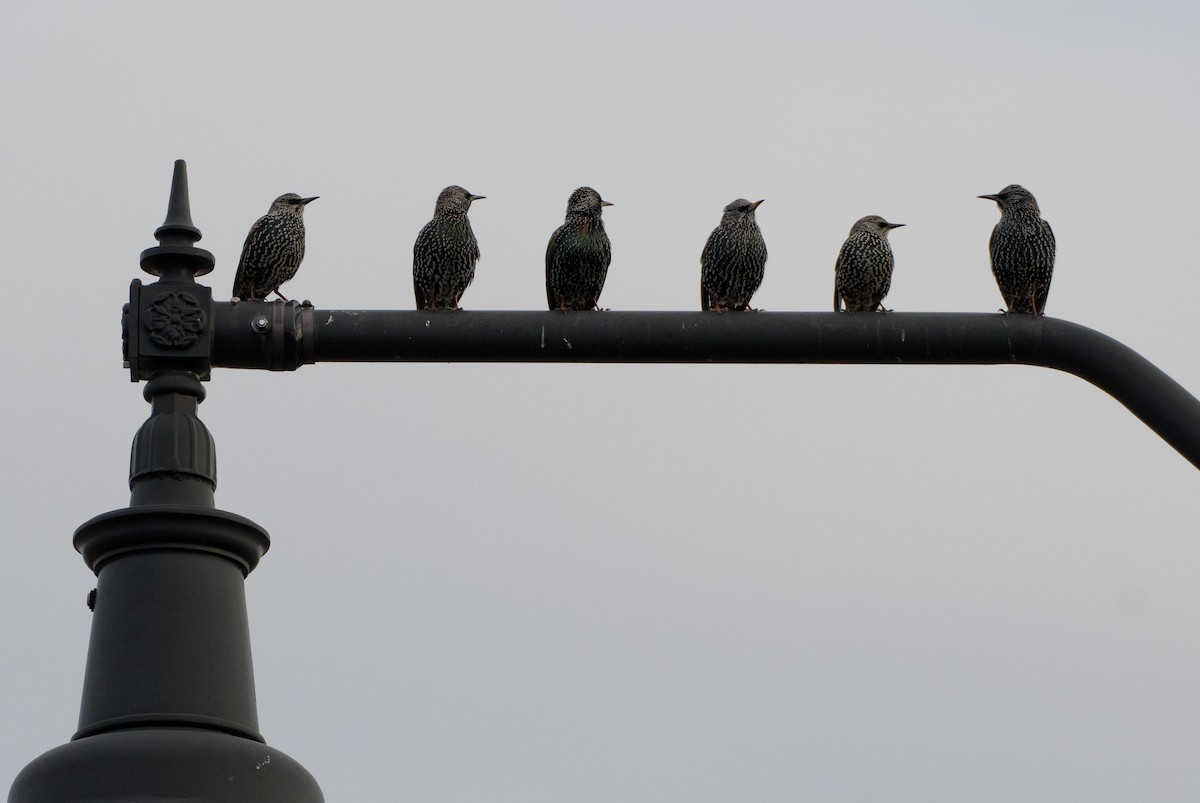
{"x": 862, "y": 275}
{"x": 733, "y": 261}
{"x": 1022, "y": 247}
{"x": 578, "y": 255}
{"x": 273, "y": 250}
{"x": 445, "y": 252}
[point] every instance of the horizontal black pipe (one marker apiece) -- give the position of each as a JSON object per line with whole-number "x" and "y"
{"x": 284, "y": 336}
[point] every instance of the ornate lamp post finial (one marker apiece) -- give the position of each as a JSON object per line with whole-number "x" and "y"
{"x": 176, "y": 257}
{"x": 178, "y": 228}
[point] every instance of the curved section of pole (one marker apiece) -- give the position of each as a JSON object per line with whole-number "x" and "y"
{"x": 244, "y": 339}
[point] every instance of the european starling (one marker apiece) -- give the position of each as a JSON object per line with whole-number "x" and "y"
{"x": 578, "y": 255}
{"x": 862, "y": 275}
{"x": 733, "y": 260}
{"x": 273, "y": 250}
{"x": 1022, "y": 248}
{"x": 445, "y": 252}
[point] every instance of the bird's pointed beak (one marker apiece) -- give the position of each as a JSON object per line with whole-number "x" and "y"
{"x": 756, "y": 204}
{"x": 304, "y": 201}
{"x": 896, "y": 225}
{"x": 605, "y": 203}
{"x": 995, "y": 198}
{"x": 476, "y": 197}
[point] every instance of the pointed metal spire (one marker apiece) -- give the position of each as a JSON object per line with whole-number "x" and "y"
{"x": 178, "y": 228}
{"x": 176, "y": 255}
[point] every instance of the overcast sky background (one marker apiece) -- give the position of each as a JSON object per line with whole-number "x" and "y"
{"x": 635, "y": 583}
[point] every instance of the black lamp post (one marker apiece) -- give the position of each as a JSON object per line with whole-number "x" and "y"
{"x": 168, "y": 710}
{"x": 168, "y": 707}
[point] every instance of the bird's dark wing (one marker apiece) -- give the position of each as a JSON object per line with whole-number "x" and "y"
{"x": 241, "y": 281}
{"x": 606, "y": 259}
{"x": 1042, "y": 296}
{"x": 551, "y": 252}
{"x": 837, "y": 271}
{"x": 417, "y": 294}
{"x": 420, "y": 297}
{"x": 993, "y": 244}
{"x": 706, "y": 299}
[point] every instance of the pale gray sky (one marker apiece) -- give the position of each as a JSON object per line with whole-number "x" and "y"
{"x": 547, "y": 583}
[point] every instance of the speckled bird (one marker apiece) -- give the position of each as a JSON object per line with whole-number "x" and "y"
{"x": 445, "y": 252}
{"x": 862, "y": 274}
{"x": 578, "y": 255}
{"x": 1022, "y": 247}
{"x": 273, "y": 250}
{"x": 733, "y": 260}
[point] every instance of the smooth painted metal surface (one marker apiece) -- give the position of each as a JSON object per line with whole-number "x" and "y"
{"x": 294, "y": 335}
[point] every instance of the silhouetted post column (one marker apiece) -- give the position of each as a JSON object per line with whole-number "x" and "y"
{"x": 168, "y": 709}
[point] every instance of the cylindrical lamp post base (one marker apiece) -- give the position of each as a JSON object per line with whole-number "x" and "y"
{"x": 164, "y": 764}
